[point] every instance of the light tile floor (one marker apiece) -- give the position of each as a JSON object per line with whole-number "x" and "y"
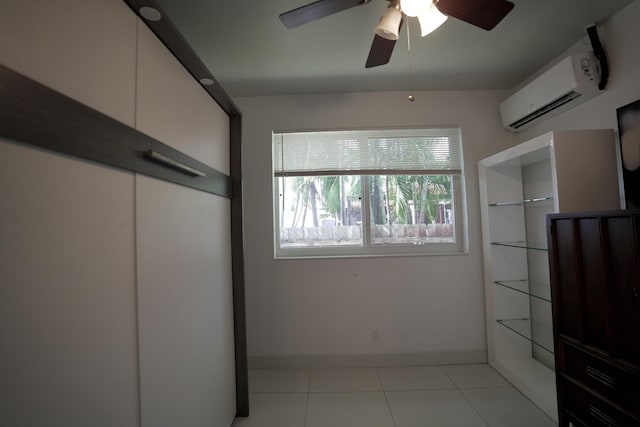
{"x": 421, "y": 396}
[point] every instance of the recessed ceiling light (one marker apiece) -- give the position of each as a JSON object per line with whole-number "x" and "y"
{"x": 206, "y": 81}
{"x": 150, "y": 13}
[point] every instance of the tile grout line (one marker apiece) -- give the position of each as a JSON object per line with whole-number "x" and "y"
{"x": 306, "y": 408}
{"x": 458, "y": 386}
{"x": 474, "y": 409}
{"x": 386, "y": 398}
{"x": 464, "y": 396}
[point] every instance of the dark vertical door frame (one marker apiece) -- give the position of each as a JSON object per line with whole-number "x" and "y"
{"x": 168, "y": 34}
{"x": 237, "y": 256}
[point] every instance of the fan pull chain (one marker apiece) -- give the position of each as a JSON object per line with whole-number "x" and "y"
{"x": 411, "y": 97}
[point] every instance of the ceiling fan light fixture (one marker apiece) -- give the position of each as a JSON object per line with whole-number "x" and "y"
{"x": 431, "y": 19}
{"x": 415, "y": 7}
{"x": 389, "y": 26}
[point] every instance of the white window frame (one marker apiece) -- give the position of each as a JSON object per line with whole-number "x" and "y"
{"x": 459, "y": 246}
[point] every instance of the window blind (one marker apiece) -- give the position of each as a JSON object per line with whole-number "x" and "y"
{"x": 434, "y": 151}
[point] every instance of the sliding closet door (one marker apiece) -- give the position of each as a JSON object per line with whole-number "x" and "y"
{"x": 68, "y": 352}
{"x": 185, "y": 306}
{"x": 67, "y": 292}
{"x": 83, "y": 49}
{"x": 187, "y": 364}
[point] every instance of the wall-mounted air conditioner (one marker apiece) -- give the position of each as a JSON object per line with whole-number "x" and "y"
{"x": 566, "y": 84}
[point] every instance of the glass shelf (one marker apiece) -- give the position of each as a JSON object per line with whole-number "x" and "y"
{"x": 523, "y": 327}
{"x": 521, "y": 286}
{"x": 521, "y": 202}
{"x": 536, "y": 246}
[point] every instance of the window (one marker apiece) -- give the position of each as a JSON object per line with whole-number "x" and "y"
{"x": 371, "y": 192}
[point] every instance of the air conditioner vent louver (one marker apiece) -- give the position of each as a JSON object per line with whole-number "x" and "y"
{"x": 568, "y": 83}
{"x": 544, "y": 110}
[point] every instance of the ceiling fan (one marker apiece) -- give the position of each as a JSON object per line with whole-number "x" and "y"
{"x": 485, "y": 14}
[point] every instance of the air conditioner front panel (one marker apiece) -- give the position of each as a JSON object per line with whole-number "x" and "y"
{"x": 546, "y": 109}
{"x": 571, "y": 81}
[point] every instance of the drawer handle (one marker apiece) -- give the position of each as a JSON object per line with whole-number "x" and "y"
{"x": 602, "y": 417}
{"x": 601, "y": 377}
{"x": 168, "y": 161}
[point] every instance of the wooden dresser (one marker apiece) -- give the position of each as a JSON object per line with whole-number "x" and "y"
{"x": 594, "y": 261}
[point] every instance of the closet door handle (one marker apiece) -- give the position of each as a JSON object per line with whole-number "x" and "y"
{"x": 168, "y": 161}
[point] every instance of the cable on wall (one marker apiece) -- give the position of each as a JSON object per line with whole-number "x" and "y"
{"x": 598, "y": 50}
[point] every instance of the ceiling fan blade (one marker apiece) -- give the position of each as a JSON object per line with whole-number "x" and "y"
{"x": 485, "y": 14}
{"x": 380, "y": 53}
{"x": 317, "y": 10}
{"x": 381, "y": 49}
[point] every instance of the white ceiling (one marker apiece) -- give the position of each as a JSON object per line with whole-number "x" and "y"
{"x": 250, "y": 52}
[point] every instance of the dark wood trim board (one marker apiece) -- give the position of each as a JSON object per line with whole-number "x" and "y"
{"x": 168, "y": 34}
{"x": 34, "y": 114}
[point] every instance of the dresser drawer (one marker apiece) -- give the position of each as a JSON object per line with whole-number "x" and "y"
{"x": 613, "y": 383}
{"x": 591, "y": 411}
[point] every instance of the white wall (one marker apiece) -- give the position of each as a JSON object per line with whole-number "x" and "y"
{"x": 620, "y": 36}
{"x": 421, "y": 304}
{"x": 324, "y": 307}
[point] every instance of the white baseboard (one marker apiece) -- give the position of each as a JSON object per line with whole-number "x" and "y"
{"x": 366, "y": 360}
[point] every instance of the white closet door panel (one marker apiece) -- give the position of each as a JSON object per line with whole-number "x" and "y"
{"x": 84, "y": 49}
{"x": 67, "y": 292}
{"x": 185, "y": 306}
{"x": 173, "y": 108}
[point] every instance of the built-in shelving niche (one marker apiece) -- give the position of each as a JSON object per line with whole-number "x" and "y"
{"x": 519, "y": 187}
